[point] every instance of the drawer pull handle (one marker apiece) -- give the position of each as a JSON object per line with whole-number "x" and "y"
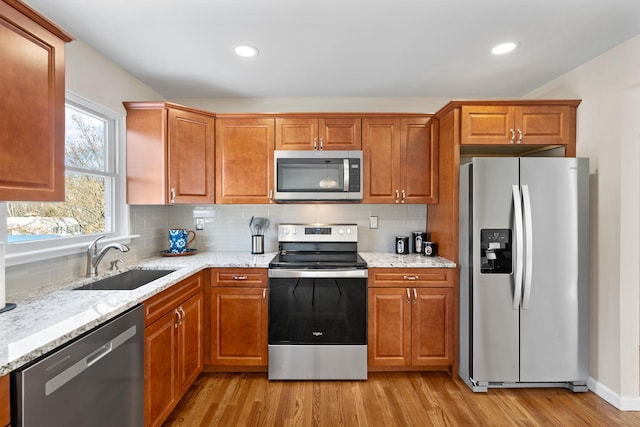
{"x": 239, "y": 277}
{"x": 411, "y": 277}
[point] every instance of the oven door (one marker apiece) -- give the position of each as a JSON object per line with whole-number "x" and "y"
{"x": 308, "y": 307}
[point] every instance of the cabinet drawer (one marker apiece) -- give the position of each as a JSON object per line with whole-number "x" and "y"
{"x": 411, "y": 277}
{"x": 158, "y": 305}
{"x": 240, "y": 277}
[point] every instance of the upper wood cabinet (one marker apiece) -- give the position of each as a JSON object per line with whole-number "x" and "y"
{"x": 328, "y": 133}
{"x": 509, "y": 124}
{"x": 170, "y": 154}
{"x": 244, "y": 160}
{"x": 400, "y": 160}
{"x": 32, "y": 105}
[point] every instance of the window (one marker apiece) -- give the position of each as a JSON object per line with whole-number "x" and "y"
{"x": 94, "y": 202}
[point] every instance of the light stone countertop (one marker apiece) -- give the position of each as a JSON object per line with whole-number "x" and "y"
{"x": 46, "y": 319}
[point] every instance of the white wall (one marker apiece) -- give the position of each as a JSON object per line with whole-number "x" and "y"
{"x": 608, "y": 132}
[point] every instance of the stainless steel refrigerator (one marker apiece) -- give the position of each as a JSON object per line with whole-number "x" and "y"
{"x": 524, "y": 252}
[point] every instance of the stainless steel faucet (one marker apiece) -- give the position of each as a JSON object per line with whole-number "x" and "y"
{"x": 94, "y": 257}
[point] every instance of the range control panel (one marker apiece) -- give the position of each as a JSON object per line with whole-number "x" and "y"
{"x": 318, "y": 233}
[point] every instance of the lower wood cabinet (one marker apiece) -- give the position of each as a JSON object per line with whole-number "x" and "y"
{"x": 5, "y": 402}
{"x": 411, "y": 318}
{"x": 173, "y": 349}
{"x": 239, "y": 312}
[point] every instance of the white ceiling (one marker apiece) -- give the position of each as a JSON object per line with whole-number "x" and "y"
{"x": 346, "y": 48}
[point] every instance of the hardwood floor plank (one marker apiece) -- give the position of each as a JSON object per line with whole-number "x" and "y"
{"x": 420, "y": 399}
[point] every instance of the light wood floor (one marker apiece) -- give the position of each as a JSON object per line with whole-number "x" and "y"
{"x": 385, "y": 399}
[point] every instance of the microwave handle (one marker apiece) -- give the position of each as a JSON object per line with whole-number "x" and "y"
{"x": 346, "y": 174}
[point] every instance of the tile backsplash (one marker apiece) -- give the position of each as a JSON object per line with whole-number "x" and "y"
{"x": 226, "y": 227}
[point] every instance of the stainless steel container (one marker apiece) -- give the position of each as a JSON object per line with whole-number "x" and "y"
{"x": 257, "y": 244}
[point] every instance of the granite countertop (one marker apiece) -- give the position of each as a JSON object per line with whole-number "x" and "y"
{"x": 47, "y": 318}
{"x": 386, "y": 260}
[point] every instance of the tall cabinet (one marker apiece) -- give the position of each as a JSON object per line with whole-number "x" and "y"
{"x": 32, "y": 105}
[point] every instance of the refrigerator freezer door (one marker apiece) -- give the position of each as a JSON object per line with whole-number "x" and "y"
{"x": 553, "y": 342}
{"x": 495, "y": 322}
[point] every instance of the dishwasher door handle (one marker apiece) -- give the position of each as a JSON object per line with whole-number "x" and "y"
{"x": 80, "y": 366}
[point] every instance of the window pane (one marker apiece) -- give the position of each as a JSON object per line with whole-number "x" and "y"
{"x": 83, "y": 212}
{"x": 85, "y": 137}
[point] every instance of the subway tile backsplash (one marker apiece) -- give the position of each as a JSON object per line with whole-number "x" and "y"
{"x": 226, "y": 227}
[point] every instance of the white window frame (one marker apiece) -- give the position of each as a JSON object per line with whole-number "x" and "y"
{"x": 26, "y": 252}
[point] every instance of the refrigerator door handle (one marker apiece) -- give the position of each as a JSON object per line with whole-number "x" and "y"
{"x": 517, "y": 213}
{"x": 528, "y": 252}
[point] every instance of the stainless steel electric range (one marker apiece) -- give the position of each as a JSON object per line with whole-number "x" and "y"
{"x": 317, "y": 304}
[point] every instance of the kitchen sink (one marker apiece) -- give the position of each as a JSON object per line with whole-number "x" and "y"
{"x": 126, "y": 281}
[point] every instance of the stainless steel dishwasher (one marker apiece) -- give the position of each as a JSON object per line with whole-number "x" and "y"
{"x": 98, "y": 380}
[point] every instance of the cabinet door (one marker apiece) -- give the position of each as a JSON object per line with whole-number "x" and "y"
{"x": 543, "y": 124}
{"x": 389, "y": 327}
{"x": 160, "y": 367}
{"x": 381, "y": 157}
{"x": 5, "y": 406}
{"x": 32, "y": 105}
{"x": 190, "y": 341}
{"x": 340, "y": 134}
{"x": 297, "y": 134}
{"x": 239, "y": 326}
{"x": 487, "y": 124}
{"x": 419, "y": 160}
{"x": 244, "y": 160}
{"x": 432, "y": 323}
{"x": 191, "y": 157}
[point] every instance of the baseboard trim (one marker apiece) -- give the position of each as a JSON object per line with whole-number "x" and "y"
{"x": 621, "y": 402}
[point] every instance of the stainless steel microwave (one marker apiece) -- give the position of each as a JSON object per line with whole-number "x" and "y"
{"x": 317, "y": 176}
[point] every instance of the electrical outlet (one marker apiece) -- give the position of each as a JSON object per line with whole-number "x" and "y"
{"x": 199, "y": 223}
{"x": 373, "y": 222}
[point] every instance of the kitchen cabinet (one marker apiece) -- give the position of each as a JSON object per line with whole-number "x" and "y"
{"x": 5, "y": 402}
{"x": 244, "y": 160}
{"x": 400, "y": 160}
{"x": 170, "y": 154}
{"x": 516, "y": 124}
{"x": 173, "y": 355}
{"x": 328, "y": 133}
{"x": 32, "y": 105}
{"x": 239, "y": 317}
{"x": 412, "y": 316}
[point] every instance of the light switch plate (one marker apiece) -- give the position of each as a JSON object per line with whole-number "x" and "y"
{"x": 199, "y": 223}
{"x": 373, "y": 222}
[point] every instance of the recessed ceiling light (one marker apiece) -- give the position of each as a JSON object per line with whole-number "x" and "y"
{"x": 504, "y": 48}
{"x": 246, "y": 51}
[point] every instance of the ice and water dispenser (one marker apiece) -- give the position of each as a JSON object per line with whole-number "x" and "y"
{"x": 495, "y": 251}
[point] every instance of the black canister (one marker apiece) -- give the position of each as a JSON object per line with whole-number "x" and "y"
{"x": 402, "y": 245}
{"x": 417, "y": 238}
{"x": 430, "y": 249}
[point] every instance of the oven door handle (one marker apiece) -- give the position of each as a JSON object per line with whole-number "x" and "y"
{"x": 330, "y": 273}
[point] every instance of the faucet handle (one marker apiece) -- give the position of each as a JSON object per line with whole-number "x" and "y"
{"x": 114, "y": 265}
